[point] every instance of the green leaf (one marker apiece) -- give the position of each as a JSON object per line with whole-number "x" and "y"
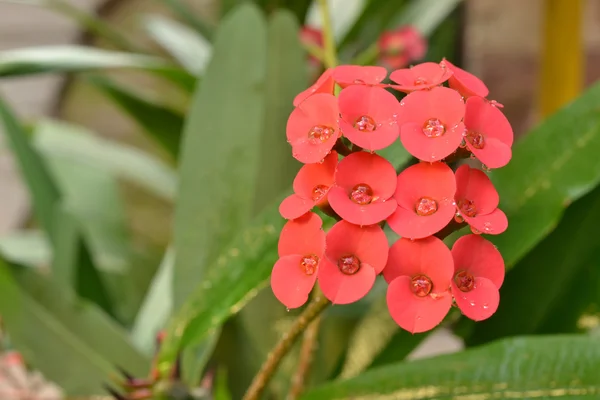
{"x": 543, "y": 279}
{"x": 27, "y": 247}
{"x": 57, "y": 59}
{"x": 564, "y": 367}
{"x": 184, "y": 12}
{"x": 220, "y": 160}
{"x": 191, "y": 50}
{"x": 46, "y": 324}
{"x": 76, "y": 145}
{"x": 93, "y": 24}
{"x": 552, "y": 166}
{"x": 43, "y": 191}
{"x": 343, "y": 15}
{"x": 426, "y": 15}
{"x": 286, "y": 72}
{"x": 156, "y": 308}
{"x": 233, "y": 280}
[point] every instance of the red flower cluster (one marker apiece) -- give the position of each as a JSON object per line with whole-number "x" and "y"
{"x": 399, "y": 47}
{"x": 362, "y": 190}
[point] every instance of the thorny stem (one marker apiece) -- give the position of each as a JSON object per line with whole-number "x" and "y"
{"x": 284, "y": 345}
{"x": 309, "y": 341}
{"x": 328, "y": 40}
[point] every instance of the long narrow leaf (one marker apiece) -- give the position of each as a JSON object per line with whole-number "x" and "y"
{"x": 184, "y": 12}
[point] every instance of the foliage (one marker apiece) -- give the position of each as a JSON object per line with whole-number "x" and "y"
{"x": 78, "y": 287}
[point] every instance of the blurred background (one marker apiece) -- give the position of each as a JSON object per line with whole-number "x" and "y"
{"x": 126, "y": 208}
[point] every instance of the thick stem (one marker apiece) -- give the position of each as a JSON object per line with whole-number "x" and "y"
{"x": 328, "y": 40}
{"x": 284, "y": 345}
{"x": 305, "y": 361}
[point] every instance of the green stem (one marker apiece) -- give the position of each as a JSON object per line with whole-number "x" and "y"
{"x": 328, "y": 40}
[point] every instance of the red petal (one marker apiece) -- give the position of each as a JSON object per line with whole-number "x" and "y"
{"x": 429, "y": 73}
{"x": 428, "y": 256}
{"x": 409, "y": 224}
{"x": 370, "y": 169}
{"x": 344, "y": 289}
{"x": 466, "y": 83}
{"x": 430, "y": 149}
{"x": 302, "y": 236}
{"x": 442, "y": 103}
{"x": 495, "y": 154}
{"x": 294, "y": 206}
{"x": 474, "y": 185}
{"x": 346, "y": 75}
{"x": 368, "y": 243}
{"x": 493, "y": 223}
{"x": 318, "y": 110}
{"x": 311, "y": 175}
{"x": 412, "y": 313}
{"x": 356, "y": 214}
{"x": 479, "y": 257}
{"x": 481, "y": 116}
{"x": 377, "y": 103}
{"x": 433, "y": 180}
{"x": 289, "y": 283}
{"x": 481, "y": 302}
{"x": 324, "y": 84}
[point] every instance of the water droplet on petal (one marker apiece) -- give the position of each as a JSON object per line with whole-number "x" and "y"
{"x": 318, "y": 192}
{"x": 485, "y": 306}
{"x": 365, "y": 123}
{"x": 486, "y": 168}
{"x": 433, "y": 128}
{"x": 287, "y": 309}
{"x": 319, "y": 134}
{"x": 349, "y": 265}
{"x": 421, "y": 285}
{"x": 459, "y": 218}
{"x": 426, "y": 206}
{"x": 362, "y": 194}
{"x": 476, "y": 139}
{"x": 467, "y": 207}
{"x": 464, "y": 280}
{"x": 309, "y": 264}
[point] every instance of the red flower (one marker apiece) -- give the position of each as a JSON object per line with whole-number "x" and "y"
{"x": 425, "y": 196}
{"x": 466, "y": 83}
{"x": 430, "y": 123}
{"x": 324, "y": 84}
{"x": 301, "y": 249}
{"x": 369, "y": 116}
{"x": 401, "y": 46}
{"x": 313, "y": 128}
{"x": 346, "y": 75}
{"x": 364, "y": 186}
{"x": 421, "y": 76}
{"x": 311, "y": 185}
{"x": 489, "y": 135}
{"x": 477, "y": 201}
{"x": 478, "y": 274}
{"x": 419, "y": 273}
{"x": 354, "y": 257}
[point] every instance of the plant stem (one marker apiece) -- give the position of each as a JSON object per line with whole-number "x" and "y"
{"x": 284, "y": 345}
{"x": 309, "y": 341}
{"x": 328, "y": 40}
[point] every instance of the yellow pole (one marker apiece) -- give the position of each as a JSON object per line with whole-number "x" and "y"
{"x": 562, "y": 63}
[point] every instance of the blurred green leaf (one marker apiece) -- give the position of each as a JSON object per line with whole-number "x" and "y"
{"x": 27, "y": 247}
{"x": 156, "y": 308}
{"x": 233, "y": 279}
{"x": 543, "y": 279}
{"x": 425, "y": 15}
{"x": 553, "y": 165}
{"x": 162, "y": 124}
{"x": 57, "y": 59}
{"x": 76, "y": 145}
{"x": 72, "y": 259}
{"x": 286, "y": 72}
{"x": 344, "y": 15}
{"x": 46, "y": 324}
{"x": 221, "y": 149}
{"x": 191, "y": 50}
{"x": 183, "y": 11}
{"x": 43, "y": 191}
{"x": 92, "y": 23}
{"x": 563, "y": 367}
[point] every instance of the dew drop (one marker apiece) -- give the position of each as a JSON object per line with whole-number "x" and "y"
{"x": 359, "y": 82}
{"x": 362, "y": 194}
{"x": 472, "y": 156}
{"x": 426, "y": 206}
{"x": 485, "y": 306}
{"x": 349, "y": 265}
{"x": 485, "y": 168}
{"x": 472, "y": 303}
{"x": 319, "y": 134}
{"x": 421, "y": 285}
{"x": 420, "y": 81}
{"x": 467, "y": 207}
{"x": 459, "y": 218}
{"x": 476, "y": 139}
{"x": 365, "y": 123}
{"x": 319, "y": 192}
{"x": 433, "y": 128}
{"x": 464, "y": 280}
{"x": 309, "y": 264}
{"x": 287, "y": 309}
